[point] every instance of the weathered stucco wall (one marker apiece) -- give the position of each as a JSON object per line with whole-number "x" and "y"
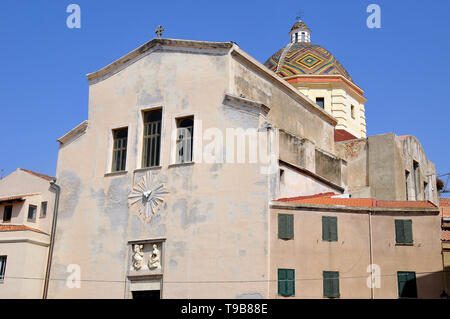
{"x": 423, "y": 257}
{"x": 214, "y": 231}
{"x": 309, "y": 255}
{"x": 286, "y": 111}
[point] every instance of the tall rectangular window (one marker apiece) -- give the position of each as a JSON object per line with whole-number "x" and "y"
{"x": 32, "y": 212}
{"x": 407, "y": 286}
{"x": 403, "y": 231}
{"x": 416, "y": 180}
{"x": 119, "y": 160}
{"x": 285, "y": 226}
{"x": 320, "y": 101}
{"x": 331, "y": 284}
{"x": 152, "y": 138}
{"x": 286, "y": 282}
{"x": 43, "y": 209}
{"x": 407, "y": 184}
{"x": 329, "y": 228}
{"x": 352, "y": 111}
{"x": 425, "y": 191}
{"x": 7, "y": 213}
{"x": 185, "y": 140}
{"x": 2, "y": 267}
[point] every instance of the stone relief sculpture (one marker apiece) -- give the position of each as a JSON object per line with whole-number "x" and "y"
{"x": 154, "y": 262}
{"x": 147, "y": 194}
{"x": 138, "y": 257}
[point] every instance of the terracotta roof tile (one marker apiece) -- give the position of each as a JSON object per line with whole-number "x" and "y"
{"x": 327, "y": 199}
{"x": 409, "y": 204}
{"x": 46, "y": 177}
{"x": 5, "y": 228}
{"x": 445, "y": 235}
{"x": 290, "y": 199}
{"x": 444, "y": 202}
{"x": 342, "y": 135}
{"x": 15, "y": 197}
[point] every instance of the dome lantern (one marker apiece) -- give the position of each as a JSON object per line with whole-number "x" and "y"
{"x": 300, "y": 32}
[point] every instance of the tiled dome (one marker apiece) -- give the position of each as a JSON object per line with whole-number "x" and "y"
{"x": 303, "y": 58}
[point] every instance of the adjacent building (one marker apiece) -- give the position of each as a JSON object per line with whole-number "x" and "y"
{"x": 444, "y": 204}
{"x": 26, "y": 213}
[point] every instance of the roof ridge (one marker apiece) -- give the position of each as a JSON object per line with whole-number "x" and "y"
{"x": 46, "y": 177}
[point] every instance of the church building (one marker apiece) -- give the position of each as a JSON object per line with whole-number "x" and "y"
{"x": 203, "y": 173}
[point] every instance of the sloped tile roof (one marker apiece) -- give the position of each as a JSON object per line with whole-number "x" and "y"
{"x": 5, "y": 228}
{"x": 342, "y": 135}
{"x": 445, "y": 235}
{"x": 15, "y": 197}
{"x": 327, "y": 199}
{"x": 46, "y": 177}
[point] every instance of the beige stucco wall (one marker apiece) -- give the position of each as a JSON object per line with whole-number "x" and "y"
{"x": 339, "y": 97}
{"x": 215, "y": 218}
{"x": 26, "y": 253}
{"x": 423, "y": 257}
{"x": 351, "y": 256}
{"x": 309, "y": 255}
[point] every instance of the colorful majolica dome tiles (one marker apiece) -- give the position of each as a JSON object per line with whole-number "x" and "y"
{"x": 303, "y": 58}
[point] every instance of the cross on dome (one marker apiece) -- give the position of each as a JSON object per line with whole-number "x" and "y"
{"x": 300, "y": 32}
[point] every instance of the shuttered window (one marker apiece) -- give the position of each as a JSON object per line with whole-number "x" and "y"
{"x": 119, "y": 150}
{"x": 7, "y": 213}
{"x": 331, "y": 284}
{"x": 152, "y": 138}
{"x": 184, "y": 143}
{"x": 285, "y": 226}
{"x": 403, "y": 231}
{"x": 407, "y": 286}
{"x": 329, "y": 228}
{"x": 286, "y": 282}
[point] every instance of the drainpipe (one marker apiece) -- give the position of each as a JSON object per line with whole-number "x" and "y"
{"x": 52, "y": 238}
{"x": 371, "y": 256}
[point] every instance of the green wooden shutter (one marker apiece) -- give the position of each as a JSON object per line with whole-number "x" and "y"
{"x": 407, "y": 286}
{"x": 290, "y": 285}
{"x": 285, "y": 226}
{"x": 331, "y": 284}
{"x": 399, "y": 232}
{"x": 281, "y": 226}
{"x": 407, "y": 231}
{"x": 329, "y": 228}
{"x": 286, "y": 282}
{"x": 282, "y": 277}
{"x": 325, "y": 228}
{"x": 332, "y": 224}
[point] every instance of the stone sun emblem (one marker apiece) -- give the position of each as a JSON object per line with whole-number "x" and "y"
{"x": 147, "y": 194}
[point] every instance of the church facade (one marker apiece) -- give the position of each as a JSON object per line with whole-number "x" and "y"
{"x": 197, "y": 173}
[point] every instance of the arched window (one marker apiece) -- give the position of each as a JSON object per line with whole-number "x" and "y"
{"x": 152, "y": 138}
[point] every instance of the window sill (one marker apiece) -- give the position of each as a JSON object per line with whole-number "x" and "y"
{"x": 181, "y": 164}
{"x": 404, "y": 244}
{"x": 144, "y": 169}
{"x": 31, "y": 220}
{"x": 116, "y": 173}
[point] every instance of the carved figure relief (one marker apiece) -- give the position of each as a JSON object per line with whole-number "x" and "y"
{"x": 138, "y": 257}
{"x": 154, "y": 262}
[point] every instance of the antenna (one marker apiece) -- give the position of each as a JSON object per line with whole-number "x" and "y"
{"x": 299, "y": 16}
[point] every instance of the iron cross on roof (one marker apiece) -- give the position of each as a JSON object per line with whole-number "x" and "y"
{"x": 159, "y": 31}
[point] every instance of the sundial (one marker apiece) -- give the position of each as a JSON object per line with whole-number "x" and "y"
{"x": 147, "y": 194}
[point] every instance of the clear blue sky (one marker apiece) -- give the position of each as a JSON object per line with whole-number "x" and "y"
{"x": 403, "y": 67}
